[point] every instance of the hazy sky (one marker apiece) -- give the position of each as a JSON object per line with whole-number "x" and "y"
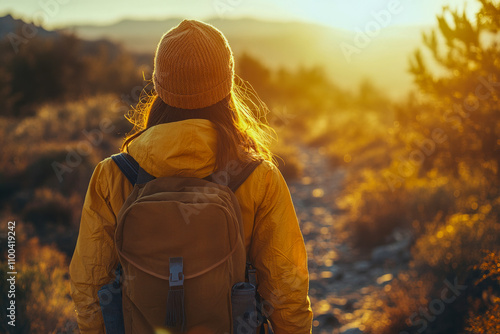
{"x": 345, "y": 14}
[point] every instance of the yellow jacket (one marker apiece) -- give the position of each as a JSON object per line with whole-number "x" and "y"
{"x": 273, "y": 239}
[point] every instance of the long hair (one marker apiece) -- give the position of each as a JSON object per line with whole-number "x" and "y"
{"x": 239, "y": 120}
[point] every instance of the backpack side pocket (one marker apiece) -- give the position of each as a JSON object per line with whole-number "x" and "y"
{"x": 244, "y": 308}
{"x": 110, "y": 300}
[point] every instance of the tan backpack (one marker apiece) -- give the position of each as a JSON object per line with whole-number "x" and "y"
{"x": 180, "y": 241}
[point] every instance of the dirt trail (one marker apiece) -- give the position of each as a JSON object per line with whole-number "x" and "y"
{"x": 339, "y": 279}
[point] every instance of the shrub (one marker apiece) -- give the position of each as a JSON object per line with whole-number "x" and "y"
{"x": 453, "y": 247}
{"x": 374, "y": 209}
{"x": 42, "y": 297}
{"x": 390, "y": 308}
{"x": 488, "y": 320}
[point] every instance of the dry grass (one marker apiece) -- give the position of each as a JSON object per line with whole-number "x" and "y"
{"x": 42, "y": 297}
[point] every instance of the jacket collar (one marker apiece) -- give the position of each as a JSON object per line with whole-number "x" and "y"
{"x": 184, "y": 148}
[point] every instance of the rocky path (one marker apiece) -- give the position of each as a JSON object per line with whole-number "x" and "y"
{"x": 339, "y": 277}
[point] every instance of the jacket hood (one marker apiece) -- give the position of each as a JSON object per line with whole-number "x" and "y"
{"x": 183, "y": 148}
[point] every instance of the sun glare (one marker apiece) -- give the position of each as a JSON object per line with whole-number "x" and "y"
{"x": 356, "y": 14}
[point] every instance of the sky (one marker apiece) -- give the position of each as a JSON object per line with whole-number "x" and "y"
{"x": 343, "y": 14}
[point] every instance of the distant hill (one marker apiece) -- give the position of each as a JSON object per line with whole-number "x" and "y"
{"x": 384, "y": 60}
{"x": 8, "y": 24}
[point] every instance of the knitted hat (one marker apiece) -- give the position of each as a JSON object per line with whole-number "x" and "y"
{"x": 194, "y": 66}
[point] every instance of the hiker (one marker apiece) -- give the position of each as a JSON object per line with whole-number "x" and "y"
{"x": 196, "y": 124}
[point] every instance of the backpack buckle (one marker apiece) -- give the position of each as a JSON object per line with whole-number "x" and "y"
{"x": 251, "y": 274}
{"x": 176, "y": 274}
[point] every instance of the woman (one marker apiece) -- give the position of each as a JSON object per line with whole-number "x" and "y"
{"x": 196, "y": 125}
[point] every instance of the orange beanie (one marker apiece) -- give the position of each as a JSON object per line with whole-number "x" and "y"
{"x": 193, "y": 66}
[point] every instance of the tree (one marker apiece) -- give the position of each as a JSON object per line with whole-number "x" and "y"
{"x": 465, "y": 94}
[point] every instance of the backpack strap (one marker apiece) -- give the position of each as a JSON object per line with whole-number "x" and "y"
{"x": 135, "y": 174}
{"x": 127, "y": 165}
{"x": 238, "y": 180}
{"x": 235, "y": 181}
{"x": 131, "y": 169}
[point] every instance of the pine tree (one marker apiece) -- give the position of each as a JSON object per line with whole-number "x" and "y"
{"x": 462, "y": 79}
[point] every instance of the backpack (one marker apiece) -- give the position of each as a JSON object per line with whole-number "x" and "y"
{"x": 180, "y": 242}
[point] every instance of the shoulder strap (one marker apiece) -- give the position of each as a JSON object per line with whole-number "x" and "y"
{"x": 135, "y": 174}
{"x": 237, "y": 180}
{"x": 127, "y": 165}
{"x": 131, "y": 169}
